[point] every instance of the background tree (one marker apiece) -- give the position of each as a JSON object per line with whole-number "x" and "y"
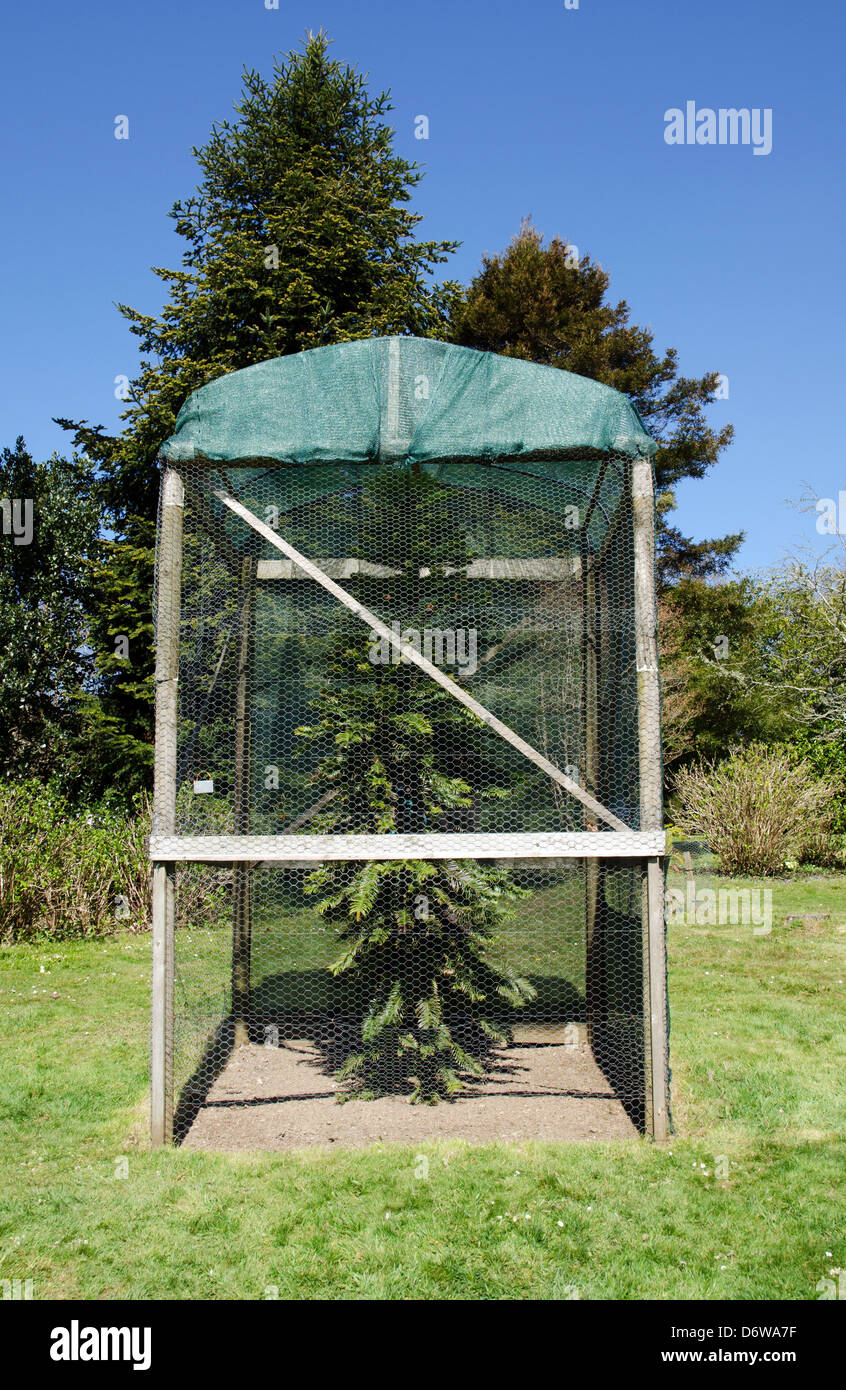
{"x": 794, "y": 668}
{"x": 46, "y": 664}
{"x": 710, "y": 632}
{"x": 297, "y": 235}
{"x": 543, "y": 304}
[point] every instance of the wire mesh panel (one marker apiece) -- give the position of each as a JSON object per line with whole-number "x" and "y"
{"x": 480, "y": 569}
{"x": 570, "y": 1060}
{"x": 516, "y": 983}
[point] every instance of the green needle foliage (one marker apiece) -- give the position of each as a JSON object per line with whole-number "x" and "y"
{"x": 415, "y": 933}
{"x": 548, "y": 304}
{"x": 45, "y": 672}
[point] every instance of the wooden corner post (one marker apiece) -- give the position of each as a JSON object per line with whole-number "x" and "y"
{"x": 596, "y": 1005}
{"x": 650, "y": 773}
{"x": 168, "y": 595}
{"x": 242, "y": 872}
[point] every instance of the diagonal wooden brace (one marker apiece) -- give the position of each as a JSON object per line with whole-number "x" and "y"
{"x": 411, "y": 654}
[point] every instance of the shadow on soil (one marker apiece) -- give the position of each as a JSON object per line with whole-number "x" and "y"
{"x": 331, "y": 1023}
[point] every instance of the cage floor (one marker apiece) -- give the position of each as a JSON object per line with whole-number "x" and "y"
{"x": 281, "y": 1098}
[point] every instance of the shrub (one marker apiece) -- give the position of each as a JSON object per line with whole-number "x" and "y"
{"x": 69, "y": 873}
{"x": 757, "y": 808}
{"x": 823, "y": 846}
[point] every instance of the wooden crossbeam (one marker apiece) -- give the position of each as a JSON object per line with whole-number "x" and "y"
{"x": 543, "y": 568}
{"x": 318, "y": 849}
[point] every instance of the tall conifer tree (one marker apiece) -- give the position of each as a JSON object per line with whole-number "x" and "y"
{"x": 298, "y": 235}
{"x": 399, "y": 755}
{"x": 547, "y": 304}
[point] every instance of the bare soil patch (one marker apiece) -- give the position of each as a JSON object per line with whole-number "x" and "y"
{"x": 277, "y": 1098}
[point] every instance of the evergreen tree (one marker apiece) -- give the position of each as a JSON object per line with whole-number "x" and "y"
{"x": 50, "y": 524}
{"x": 543, "y": 304}
{"x": 298, "y": 235}
{"x": 415, "y": 932}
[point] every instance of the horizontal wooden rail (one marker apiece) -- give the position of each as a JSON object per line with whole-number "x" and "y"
{"x": 576, "y": 844}
{"x": 545, "y": 568}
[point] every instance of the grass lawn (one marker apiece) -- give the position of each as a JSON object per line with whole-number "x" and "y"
{"x": 745, "y": 1202}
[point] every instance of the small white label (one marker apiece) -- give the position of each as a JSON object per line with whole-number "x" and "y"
{"x": 203, "y": 786}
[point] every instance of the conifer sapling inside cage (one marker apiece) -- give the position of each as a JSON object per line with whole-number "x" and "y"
{"x": 408, "y": 774}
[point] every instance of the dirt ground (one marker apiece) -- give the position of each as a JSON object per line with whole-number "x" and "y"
{"x": 281, "y": 1098}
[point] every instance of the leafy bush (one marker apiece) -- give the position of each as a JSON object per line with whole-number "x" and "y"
{"x": 824, "y": 846}
{"x": 757, "y": 808}
{"x": 69, "y": 873}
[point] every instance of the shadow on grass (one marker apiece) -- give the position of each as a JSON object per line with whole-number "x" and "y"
{"x": 194, "y": 1093}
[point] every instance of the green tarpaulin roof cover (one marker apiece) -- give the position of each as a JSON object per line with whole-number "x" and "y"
{"x": 413, "y": 398}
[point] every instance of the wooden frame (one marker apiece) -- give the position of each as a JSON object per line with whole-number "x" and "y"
{"x": 548, "y": 568}
{"x": 595, "y": 993}
{"x": 242, "y": 912}
{"x": 245, "y": 851}
{"x": 168, "y": 600}
{"x": 650, "y": 768}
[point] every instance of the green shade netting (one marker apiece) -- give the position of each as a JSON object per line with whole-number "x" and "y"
{"x": 416, "y": 399}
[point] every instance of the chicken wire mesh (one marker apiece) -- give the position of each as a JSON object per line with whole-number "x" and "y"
{"x": 482, "y": 576}
{"x": 581, "y": 1037}
{"x": 412, "y": 978}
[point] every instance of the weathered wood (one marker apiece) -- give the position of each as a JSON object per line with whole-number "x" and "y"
{"x": 496, "y": 567}
{"x": 242, "y": 874}
{"x": 164, "y": 804}
{"x": 646, "y": 638}
{"x": 336, "y": 568}
{"x": 657, "y": 934}
{"x": 650, "y": 766}
{"x": 595, "y": 993}
{"x": 575, "y": 844}
{"x": 417, "y": 659}
{"x": 161, "y": 1028}
{"x": 168, "y": 597}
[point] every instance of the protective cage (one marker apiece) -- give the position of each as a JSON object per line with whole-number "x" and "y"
{"x": 407, "y": 674}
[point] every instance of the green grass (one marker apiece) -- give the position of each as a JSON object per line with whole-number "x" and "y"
{"x": 758, "y": 1067}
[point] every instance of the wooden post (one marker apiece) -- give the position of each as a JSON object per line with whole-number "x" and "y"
{"x": 594, "y": 945}
{"x": 650, "y": 770}
{"x": 242, "y": 872}
{"x": 164, "y": 804}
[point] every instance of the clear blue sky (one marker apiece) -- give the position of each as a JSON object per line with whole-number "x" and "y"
{"x": 534, "y": 109}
